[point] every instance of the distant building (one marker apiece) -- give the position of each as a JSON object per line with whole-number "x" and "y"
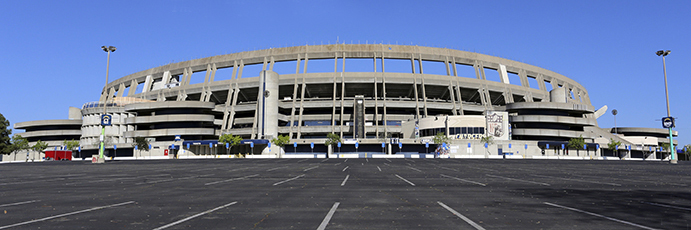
{"x": 367, "y": 94}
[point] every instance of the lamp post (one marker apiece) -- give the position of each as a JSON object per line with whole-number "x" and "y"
{"x": 615, "y": 112}
{"x": 663, "y": 53}
{"x": 107, "y": 49}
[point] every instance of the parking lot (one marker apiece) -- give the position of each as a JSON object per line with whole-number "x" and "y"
{"x": 356, "y": 193}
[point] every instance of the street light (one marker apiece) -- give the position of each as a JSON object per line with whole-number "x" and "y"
{"x": 107, "y": 49}
{"x": 663, "y": 53}
{"x": 615, "y": 112}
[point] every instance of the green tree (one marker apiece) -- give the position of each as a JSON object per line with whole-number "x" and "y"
{"x": 441, "y": 138}
{"x": 487, "y": 140}
{"x": 576, "y": 143}
{"x": 231, "y": 139}
{"x": 70, "y": 145}
{"x": 281, "y": 140}
{"x": 141, "y": 143}
{"x": 5, "y": 139}
{"x": 39, "y": 147}
{"x": 332, "y": 139}
{"x": 19, "y": 143}
{"x": 612, "y": 145}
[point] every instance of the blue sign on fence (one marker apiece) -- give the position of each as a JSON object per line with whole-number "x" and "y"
{"x": 339, "y": 144}
{"x": 384, "y": 145}
{"x": 251, "y": 144}
{"x": 311, "y": 144}
{"x": 400, "y": 145}
{"x": 188, "y": 146}
{"x": 227, "y": 145}
{"x": 295, "y": 144}
{"x": 357, "y": 145}
{"x": 468, "y": 145}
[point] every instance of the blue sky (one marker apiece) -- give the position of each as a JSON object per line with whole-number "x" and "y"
{"x": 50, "y": 56}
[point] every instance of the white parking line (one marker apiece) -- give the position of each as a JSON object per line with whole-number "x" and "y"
{"x": 196, "y": 215}
{"x": 379, "y": 168}
{"x": 308, "y": 169}
{"x": 281, "y": 182}
{"x": 326, "y": 220}
{"x": 367, "y": 160}
{"x": 346, "y": 179}
{"x": 66, "y": 214}
{"x": 172, "y": 179}
{"x": 346, "y": 160}
{"x": 344, "y": 169}
{"x": 232, "y": 179}
{"x": 325, "y": 160}
{"x": 337, "y": 164}
{"x": 469, "y": 181}
{"x": 204, "y": 169}
{"x": 387, "y": 159}
{"x": 19, "y": 203}
{"x": 415, "y": 169}
{"x": 450, "y": 169}
{"x": 387, "y": 164}
{"x": 399, "y": 177}
{"x": 472, "y": 223}
{"x": 598, "y": 215}
{"x": 662, "y": 205}
{"x": 579, "y": 180}
{"x": 269, "y": 170}
{"x": 513, "y": 179}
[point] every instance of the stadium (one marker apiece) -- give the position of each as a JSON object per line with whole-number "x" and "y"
{"x": 380, "y": 99}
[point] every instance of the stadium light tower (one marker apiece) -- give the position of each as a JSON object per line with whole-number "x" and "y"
{"x": 107, "y": 49}
{"x": 664, "y": 53}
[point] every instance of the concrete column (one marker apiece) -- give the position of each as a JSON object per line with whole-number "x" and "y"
{"x": 268, "y": 105}
{"x": 424, "y": 95}
{"x": 453, "y": 64}
{"x": 302, "y": 97}
{"x": 460, "y": 98}
{"x": 133, "y": 88}
{"x": 121, "y": 89}
{"x": 479, "y": 70}
{"x": 342, "y": 95}
{"x": 295, "y": 92}
{"x": 541, "y": 82}
{"x": 446, "y": 64}
{"x": 147, "y": 84}
{"x": 503, "y": 75}
{"x": 453, "y": 98}
{"x": 383, "y": 89}
{"x": 417, "y": 102}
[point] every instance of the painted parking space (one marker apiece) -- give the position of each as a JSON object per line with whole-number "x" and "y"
{"x": 369, "y": 193}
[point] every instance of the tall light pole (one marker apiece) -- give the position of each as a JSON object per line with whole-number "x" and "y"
{"x": 664, "y": 53}
{"x": 107, "y": 49}
{"x": 615, "y": 112}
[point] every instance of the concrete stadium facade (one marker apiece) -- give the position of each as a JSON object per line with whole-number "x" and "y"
{"x": 365, "y": 93}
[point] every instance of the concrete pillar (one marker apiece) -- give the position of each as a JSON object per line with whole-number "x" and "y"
{"x": 133, "y": 88}
{"x": 268, "y": 105}
{"x": 147, "y": 83}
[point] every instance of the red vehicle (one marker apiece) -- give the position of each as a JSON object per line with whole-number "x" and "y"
{"x": 59, "y": 155}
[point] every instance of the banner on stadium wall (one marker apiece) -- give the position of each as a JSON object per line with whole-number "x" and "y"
{"x": 498, "y": 125}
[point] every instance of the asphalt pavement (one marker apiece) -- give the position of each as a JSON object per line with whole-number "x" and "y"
{"x": 346, "y": 194}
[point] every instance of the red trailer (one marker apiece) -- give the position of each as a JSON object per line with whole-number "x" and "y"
{"x": 59, "y": 155}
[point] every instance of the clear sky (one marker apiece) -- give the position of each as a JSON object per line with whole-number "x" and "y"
{"x": 50, "y": 56}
